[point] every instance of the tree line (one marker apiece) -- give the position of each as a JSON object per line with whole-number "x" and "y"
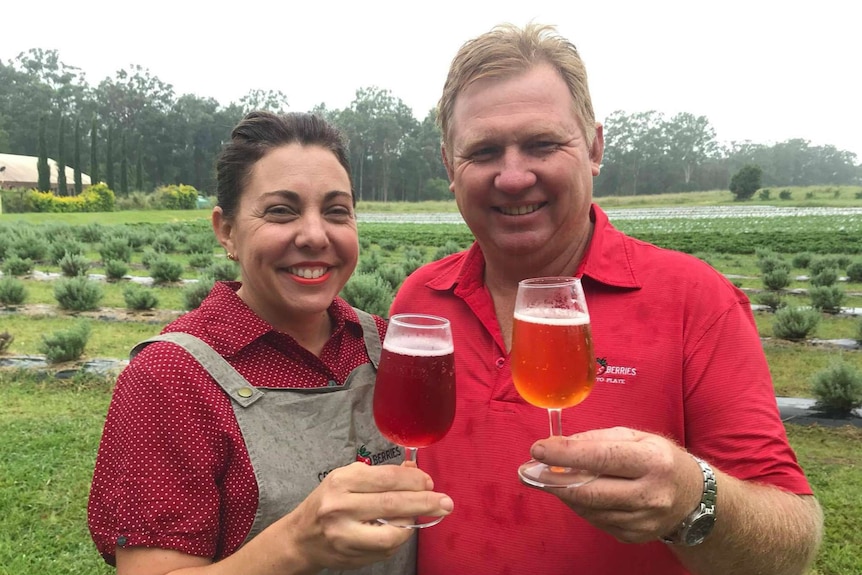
{"x": 133, "y": 132}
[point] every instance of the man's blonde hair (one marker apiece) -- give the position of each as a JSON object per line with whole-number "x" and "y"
{"x": 506, "y": 51}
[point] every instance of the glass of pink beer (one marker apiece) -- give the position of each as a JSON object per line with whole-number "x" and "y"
{"x": 414, "y": 395}
{"x": 553, "y": 364}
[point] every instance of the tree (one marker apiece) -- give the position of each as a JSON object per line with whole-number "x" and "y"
{"x": 79, "y": 180}
{"x": 109, "y": 158}
{"x": 139, "y": 170}
{"x": 42, "y": 166}
{"x": 691, "y": 142}
{"x": 62, "y": 188}
{"x": 378, "y": 124}
{"x": 274, "y": 101}
{"x": 746, "y": 181}
{"x": 94, "y": 152}
{"x": 634, "y": 144}
{"x": 124, "y": 166}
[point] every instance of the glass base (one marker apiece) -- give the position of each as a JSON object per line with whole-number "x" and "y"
{"x": 417, "y": 522}
{"x": 538, "y": 474}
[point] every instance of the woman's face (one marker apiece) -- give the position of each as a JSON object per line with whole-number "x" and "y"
{"x": 294, "y": 234}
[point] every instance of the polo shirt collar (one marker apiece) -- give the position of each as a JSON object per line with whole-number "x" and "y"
{"x": 607, "y": 261}
{"x": 238, "y": 329}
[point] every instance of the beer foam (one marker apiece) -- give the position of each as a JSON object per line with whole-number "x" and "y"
{"x": 553, "y": 316}
{"x": 418, "y": 346}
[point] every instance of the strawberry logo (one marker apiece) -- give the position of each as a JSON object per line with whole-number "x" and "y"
{"x": 603, "y": 365}
{"x": 363, "y": 455}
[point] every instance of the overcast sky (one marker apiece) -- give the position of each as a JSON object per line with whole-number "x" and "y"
{"x": 759, "y": 70}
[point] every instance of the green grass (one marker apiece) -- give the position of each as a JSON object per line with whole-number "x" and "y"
{"x": 830, "y": 458}
{"x": 799, "y": 197}
{"x": 42, "y": 292}
{"x": 108, "y": 339}
{"x": 49, "y": 432}
{"x": 111, "y": 218}
{"x": 830, "y": 326}
{"x": 792, "y": 365}
{"x": 50, "y": 429}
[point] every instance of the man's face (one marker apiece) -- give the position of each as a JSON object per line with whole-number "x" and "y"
{"x": 520, "y": 167}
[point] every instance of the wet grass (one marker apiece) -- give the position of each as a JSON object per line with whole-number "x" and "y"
{"x": 793, "y": 365}
{"x": 830, "y": 458}
{"x": 108, "y": 339}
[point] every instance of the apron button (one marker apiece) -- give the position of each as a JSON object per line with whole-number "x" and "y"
{"x": 245, "y": 392}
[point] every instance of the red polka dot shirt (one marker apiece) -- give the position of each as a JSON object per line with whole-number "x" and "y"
{"x": 172, "y": 470}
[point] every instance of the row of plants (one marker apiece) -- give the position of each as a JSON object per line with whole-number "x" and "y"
{"x": 187, "y": 250}
{"x": 97, "y": 198}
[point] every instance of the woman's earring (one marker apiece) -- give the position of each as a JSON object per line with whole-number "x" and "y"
{"x": 231, "y": 257}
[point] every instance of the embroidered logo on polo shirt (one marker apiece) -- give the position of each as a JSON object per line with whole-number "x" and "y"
{"x": 619, "y": 374}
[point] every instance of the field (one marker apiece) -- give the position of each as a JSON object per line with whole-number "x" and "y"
{"x": 43, "y": 527}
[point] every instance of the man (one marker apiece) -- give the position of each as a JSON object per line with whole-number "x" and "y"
{"x": 682, "y": 374}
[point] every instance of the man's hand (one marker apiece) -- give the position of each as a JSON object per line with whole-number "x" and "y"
{"x": 646, "y": 486}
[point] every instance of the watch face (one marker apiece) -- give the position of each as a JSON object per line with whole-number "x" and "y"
{"x": 699, "y": 529}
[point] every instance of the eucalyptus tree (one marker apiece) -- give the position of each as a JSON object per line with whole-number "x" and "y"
{"x": 274, "y": 101}
{"x": 420, "y": 163}
{"x": 633, "y": 142}
{"x": 79, "y": 180}
{"x": 380, "y": 122}
{"x": 109, "y": 159}
{"x": 137, "y": 102}
{"x": 94, "y": 150}
{"x": 691, "y": 142}
{"x": 34, "y": 84}
{"x": 124, "y": 165}
{"x": 199, "y": 126}
{"x": 139, "y": 169}
{"x": 62, "y": 188}
{"x": 42, "y": 166}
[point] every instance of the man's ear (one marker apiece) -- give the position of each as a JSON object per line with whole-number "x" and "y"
{"x": 597, "y": 150}
{"x": 449, "y": 171}
{"x": 223, "y": 229}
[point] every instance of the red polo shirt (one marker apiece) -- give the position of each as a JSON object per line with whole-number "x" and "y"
{"x": 678, "y": 355}
{"x": 172, "y": 470}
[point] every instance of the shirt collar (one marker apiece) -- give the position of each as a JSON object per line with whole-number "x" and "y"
{"x": 235, "y": 330}
{"x": 607, "y": 260}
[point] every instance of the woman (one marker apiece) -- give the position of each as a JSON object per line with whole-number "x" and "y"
{"x": 245, "y": 466}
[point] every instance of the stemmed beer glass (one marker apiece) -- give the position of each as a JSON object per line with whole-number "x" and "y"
{"x": 553, "y": 365}
{"x": 414, "y": 395}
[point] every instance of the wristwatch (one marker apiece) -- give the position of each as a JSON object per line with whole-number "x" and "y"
{"x": 699, "y": 523}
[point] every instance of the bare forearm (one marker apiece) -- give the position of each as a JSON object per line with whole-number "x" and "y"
{"x": 759, "y": 530}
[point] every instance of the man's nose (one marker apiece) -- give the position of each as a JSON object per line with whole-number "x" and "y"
{"x": 516, "y": 172}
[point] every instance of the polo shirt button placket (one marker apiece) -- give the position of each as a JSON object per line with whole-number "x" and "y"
{"x": 501, "y": 361}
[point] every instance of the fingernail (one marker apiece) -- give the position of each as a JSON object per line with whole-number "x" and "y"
{"x": 447, "y": 504}
{"x": 538, "y": 451}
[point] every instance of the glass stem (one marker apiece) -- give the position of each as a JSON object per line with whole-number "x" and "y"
{"x": 411, "y": 454}
{"x": 556, "y": 418}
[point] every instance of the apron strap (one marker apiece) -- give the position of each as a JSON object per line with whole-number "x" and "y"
{"x": 371, "y": 336}
{"x": 230, "y": 380}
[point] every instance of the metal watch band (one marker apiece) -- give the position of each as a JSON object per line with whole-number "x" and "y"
{"x": 697, "y": 525}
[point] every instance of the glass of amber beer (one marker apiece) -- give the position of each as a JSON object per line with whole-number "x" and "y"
{"x": 553, "y": 365}
{"x": 414, "y": 394}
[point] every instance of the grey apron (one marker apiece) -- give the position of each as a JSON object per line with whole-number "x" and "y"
{"x": 295, "y": 437}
